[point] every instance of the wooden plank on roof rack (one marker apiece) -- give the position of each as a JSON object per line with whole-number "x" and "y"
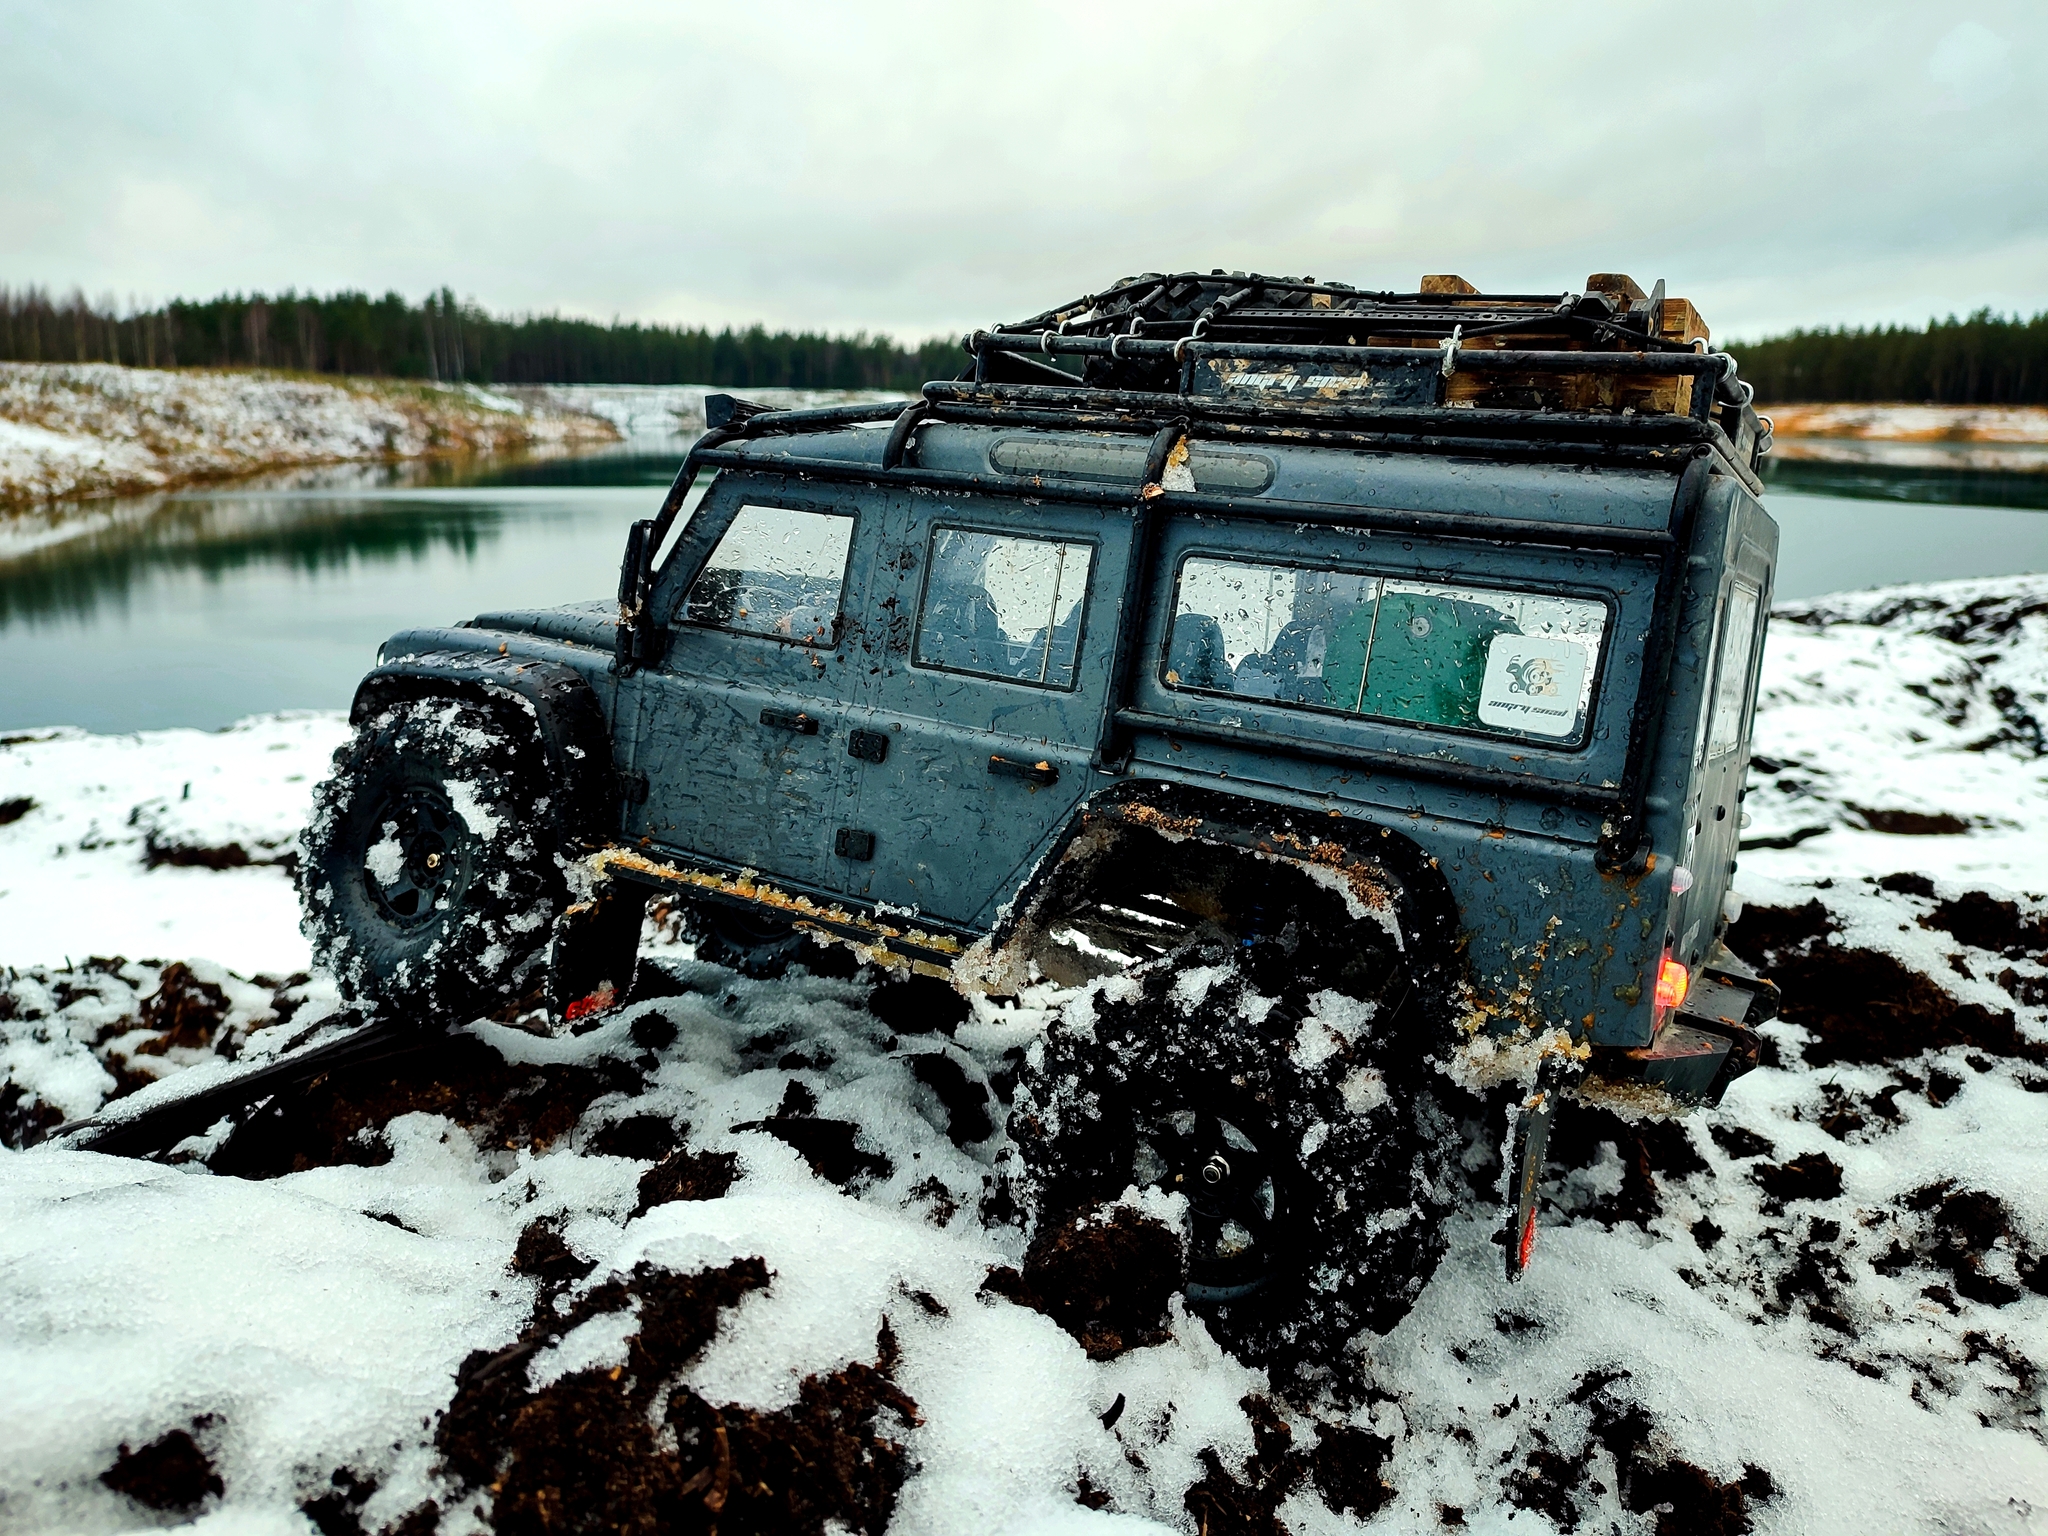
{"x": 1683, "y": 323}
{"x": 1619, "y": 284}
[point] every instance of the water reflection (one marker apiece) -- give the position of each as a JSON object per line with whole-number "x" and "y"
{"x": 219, "y": 539}
{"x": 1909, "y": 483}
{"x": 200, "y": 608}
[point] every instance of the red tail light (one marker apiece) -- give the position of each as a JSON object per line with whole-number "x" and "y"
{"x": 1672, "y": 981}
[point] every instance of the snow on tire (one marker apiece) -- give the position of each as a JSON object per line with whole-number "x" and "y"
{"x": 1316, "y": 1186}
{"x": 428, "y": 883}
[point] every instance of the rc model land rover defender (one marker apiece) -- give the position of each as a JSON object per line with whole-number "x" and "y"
{"x": 1351, "y": 690}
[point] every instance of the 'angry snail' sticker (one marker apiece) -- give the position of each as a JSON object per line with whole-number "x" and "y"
{"x": 1533, "y": 685}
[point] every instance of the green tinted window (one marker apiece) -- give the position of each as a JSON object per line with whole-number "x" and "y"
{"x": 1507, "y": 663}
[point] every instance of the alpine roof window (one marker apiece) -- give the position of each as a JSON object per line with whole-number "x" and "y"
{"x": 779, "y": 572}
{"x": 1004, "y": 607}
{"x": 1113, "y": 460}
{"x": 1479, "y": 659}
{"x": 1731, "y": 690}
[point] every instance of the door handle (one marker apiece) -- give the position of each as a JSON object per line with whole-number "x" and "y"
{"x": 1010, "y": 768}
{"x": 789, "y": 720}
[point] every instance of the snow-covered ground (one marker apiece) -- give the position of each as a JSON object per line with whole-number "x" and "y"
{"x": 517, "y": 1281}
{"x": 70, "y": 430}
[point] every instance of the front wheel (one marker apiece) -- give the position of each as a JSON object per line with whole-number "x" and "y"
{"x": 428, "y": 883}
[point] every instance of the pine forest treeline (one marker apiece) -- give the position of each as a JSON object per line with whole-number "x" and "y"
{"x": 1984, "y": 359}
{"x": 440, "y": 339}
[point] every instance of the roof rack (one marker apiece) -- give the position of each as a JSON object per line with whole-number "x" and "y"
{"x": 1248, "y": 344}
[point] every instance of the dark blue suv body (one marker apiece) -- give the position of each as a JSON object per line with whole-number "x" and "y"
{"x": 1452, "y": 604}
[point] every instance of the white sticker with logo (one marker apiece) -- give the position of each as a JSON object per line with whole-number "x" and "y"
{"x": 1532, "y": 685}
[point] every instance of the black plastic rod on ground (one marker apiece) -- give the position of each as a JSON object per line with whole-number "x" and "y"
{"x": 127, "y": 1130}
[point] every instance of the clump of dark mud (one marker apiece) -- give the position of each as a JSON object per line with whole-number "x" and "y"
{"x": 184, "y": 1011}
{"x": 1560, "y": 1481}
{"x": 340, "y": 1118}
{"x": 1650, "y": 1150}
{"x": 687, "y": 1175}
{"x": 169, "y": 1473}
{"x": 1970, "y": 1235}
{"x": 543, "y": 1255}
{"x": 1986, "y": 922}
{"x": 24, "y": 1118}
{"x": 918, "y": 1005}
{"x": 1911, "y": 823}
{"x": 1344, "y": 1465}
{"x": 644, "y": 1138}
{"x": 120, "y": 1013}
{"x": 1864, "y": 1006}
{"x": 966, "y": 1101}
{"x": 831, "y": 1147}
{"x": 627, "y": 1449}
{"x": 337, "y": 1509}
{"x": 1105, "y": 1276}
{"x": 1815, "y": 1176}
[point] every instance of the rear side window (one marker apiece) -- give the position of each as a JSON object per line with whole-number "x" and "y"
{"x": 1471, "y": 658}
{"x": 777, "y": 572}
{"x": 1003, "y": 607}
{"x": 1731, "y": 688}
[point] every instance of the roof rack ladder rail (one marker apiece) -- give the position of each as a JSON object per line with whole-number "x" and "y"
{"x": 907, "y": 422}
{"x": 1440, "y": 524}
{"x": 1131, "y": 613}
{"x": 1646, "y": 718}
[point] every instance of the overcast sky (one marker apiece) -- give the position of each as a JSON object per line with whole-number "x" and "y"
{"x": 921, "y": 169}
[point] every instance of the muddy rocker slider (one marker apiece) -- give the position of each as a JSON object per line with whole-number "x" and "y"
{"x": 1361, "y": 681}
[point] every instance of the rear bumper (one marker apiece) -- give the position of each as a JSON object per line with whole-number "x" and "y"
{"x": 1708, "y": 1042}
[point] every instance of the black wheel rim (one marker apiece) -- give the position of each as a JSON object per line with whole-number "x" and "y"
{"x": 415, "y": 855}
{"x": 1236, "y": 1200}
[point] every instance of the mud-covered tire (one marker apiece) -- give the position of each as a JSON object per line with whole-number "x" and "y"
{"x": 759, "y": 946}
{"x": 1359, "y": 1156}
{"x": 428, "y": 881}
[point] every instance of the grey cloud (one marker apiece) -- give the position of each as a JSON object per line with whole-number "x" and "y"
{"x": 924, "y": 168}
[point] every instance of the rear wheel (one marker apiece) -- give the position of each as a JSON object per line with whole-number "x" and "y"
{"x": 428, "y": 881}
{"x": 1269, "y": 1067}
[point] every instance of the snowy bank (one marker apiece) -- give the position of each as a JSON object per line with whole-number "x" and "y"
{"x": 96, "y": 429}
{"x": 742, "y": 1255}
{"x": 1965, "y": 437}
{"x": 670, "y": 410}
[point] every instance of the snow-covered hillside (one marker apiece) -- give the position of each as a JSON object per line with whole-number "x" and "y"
{"x": 669, "y": 410}
{"x": 1972, "y": 437}
{"x": 96, "y": 429}
{"x": 741, "y": 1258}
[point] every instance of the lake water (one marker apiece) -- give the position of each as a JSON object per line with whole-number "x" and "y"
{"x": 200, "y": 608}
